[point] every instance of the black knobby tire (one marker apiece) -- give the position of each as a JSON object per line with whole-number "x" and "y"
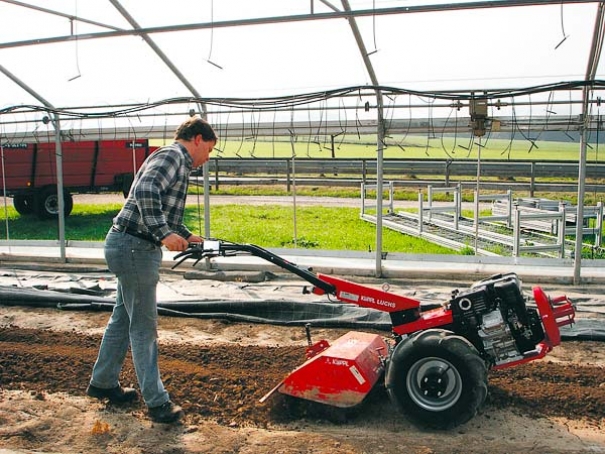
{"x": 437, "y": 379}
{"x": 47, "y": 203}
{"x": 24, "y": 204}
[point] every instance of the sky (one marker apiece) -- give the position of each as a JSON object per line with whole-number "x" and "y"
{"x": 425, "y": 51}
{"x": 454, "y": 50}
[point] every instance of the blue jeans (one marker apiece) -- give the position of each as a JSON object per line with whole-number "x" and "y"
{"x": 136, "y": 264}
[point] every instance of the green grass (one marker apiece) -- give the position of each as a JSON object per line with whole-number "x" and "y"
{"x": 86, "y": 223}
{"x": 266, "y": 226}
{"x": 590, "y": 198}
{"x": 410, "y": 147}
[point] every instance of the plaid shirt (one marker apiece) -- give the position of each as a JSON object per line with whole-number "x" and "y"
{"x": 156, "y": 202}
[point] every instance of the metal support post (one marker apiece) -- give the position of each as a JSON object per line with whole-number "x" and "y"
{"x": 456, "y": 211}
{"x": 363, "y": 199}
{"x": 509, "y": 194}
{"x": 430, "y": 201}
{"x": 562, "y": 221}
{"x": 599, "y": 233}
{"x": 459, "y": 207}
{"x": 60, "y": 194}
{"x": 516, "y": 232}
{"x": 420, "y": 211}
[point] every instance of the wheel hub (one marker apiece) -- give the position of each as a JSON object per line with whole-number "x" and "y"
{"x": 434, "y": 384}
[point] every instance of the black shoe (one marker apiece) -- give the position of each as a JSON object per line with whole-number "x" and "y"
{"x": 168, "y": 412}
{"x": 117, "y": 395}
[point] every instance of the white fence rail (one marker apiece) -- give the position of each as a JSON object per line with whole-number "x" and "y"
{"x": 525, "y": 229}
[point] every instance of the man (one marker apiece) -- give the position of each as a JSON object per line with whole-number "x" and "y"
{"x": 151, "y": 217}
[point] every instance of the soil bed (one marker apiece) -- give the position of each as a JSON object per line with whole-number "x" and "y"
{"x": 219, "y": 370}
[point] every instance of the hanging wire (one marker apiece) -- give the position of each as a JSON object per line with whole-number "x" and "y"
{"x": 487, "y": 137}
{"x": 400, "y": 143}
{"x": 568, "y": 130}
{"x": 74, "y": 31}
{"x": 453, "y": 150}
{"x": 518, "y": 128}
{"x": 341, "y": 109}
{"x": 254, "y": 131}
{"x": 224, "y": 141}
{"x": 562, "y": 29}
{"x": 290, "y": 101}
{"x": 241, "y": 143}
{"x": 549, "y": 113}
{"x": 357, "y": 120}
{"x": 309, "y": 138}
{"x": 316, "y": 138}
{"x": 326, "y": 134}
{"x": 273, "y": 135}
{"x": 469, "y": 147}
{"x": 531, "y": 140}
{"x": 431, "y": 131}
{"x": 209, "y": 59}
{"x": 349, "y": 98}
{"x": 509, "y": 147}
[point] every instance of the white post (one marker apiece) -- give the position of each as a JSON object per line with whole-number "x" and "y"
{"x": 430, "y": 201}
{"x": 60, "y": 198}
{"x": 561, "y": 230}
{"x": 599, "y": 236}
{"x": 509, "y": 223}
{"x": 516, "y": 232}
{"x": 420, "y": 211}
{"x": 456, "y": 210}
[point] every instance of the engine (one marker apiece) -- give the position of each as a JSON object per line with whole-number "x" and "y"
{"x": 493, "y": 315}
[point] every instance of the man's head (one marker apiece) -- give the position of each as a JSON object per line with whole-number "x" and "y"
{"x": 194, "y": 126}
{"x": 198, "y": 137}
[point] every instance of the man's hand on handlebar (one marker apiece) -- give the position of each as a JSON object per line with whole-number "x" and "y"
{"x": 195, "y": 239}
{"x": 175, "y": 242}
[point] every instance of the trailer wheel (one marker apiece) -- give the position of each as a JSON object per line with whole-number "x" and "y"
{"x": 24, "y": 204}
{"x": 437, "y": 379}
{"x": 47, "y": 203}
{"x": 127, "y": 181}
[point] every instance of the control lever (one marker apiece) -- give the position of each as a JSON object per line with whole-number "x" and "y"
{"x": 198, "y": 251}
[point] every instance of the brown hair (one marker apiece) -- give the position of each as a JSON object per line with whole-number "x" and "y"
{"x": 194, "y": 126}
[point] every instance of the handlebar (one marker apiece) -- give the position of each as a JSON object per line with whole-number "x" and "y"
{"x": 210, "y": 248}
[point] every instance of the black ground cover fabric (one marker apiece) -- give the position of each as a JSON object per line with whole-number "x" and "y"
{"x": 590, "y": 325}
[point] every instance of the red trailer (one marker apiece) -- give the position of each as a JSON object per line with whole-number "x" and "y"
{"x": 29, "y": 174}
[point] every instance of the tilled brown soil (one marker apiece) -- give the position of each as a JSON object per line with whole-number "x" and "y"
{"x": 225, "y": 382}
